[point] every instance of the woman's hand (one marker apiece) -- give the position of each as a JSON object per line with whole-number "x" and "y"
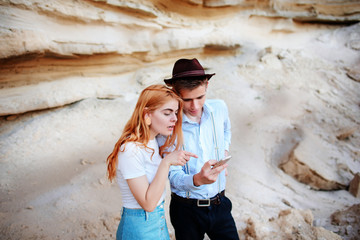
{"x": 179, "y": 158}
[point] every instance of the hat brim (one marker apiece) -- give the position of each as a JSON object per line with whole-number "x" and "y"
{"x": 171, "y": 80}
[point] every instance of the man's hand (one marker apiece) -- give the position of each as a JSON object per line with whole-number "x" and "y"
{"x": 207, "y": 174}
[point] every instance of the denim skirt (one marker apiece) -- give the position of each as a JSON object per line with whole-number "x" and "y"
{"x": 139, "y": 224}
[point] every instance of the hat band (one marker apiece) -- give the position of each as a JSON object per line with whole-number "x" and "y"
{"x": 190, "y": 73}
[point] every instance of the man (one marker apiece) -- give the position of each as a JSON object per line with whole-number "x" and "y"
{"x": 198, "y": 202}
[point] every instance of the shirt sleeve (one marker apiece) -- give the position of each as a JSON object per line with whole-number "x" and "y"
{"x": 180, "y": 180}
{"x": 227, "y": 128}
{"x": 161, "y": 139}
{"x": 177, "y": 176}
{"x": 130, "y": 163}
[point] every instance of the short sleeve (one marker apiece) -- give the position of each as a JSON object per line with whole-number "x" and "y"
{"x": 130, "y": 162}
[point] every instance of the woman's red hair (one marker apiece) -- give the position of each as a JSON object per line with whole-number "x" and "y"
{"x": 136, "y": 130}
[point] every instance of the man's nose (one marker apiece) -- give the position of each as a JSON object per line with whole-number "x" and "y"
{"x": 194, "y": 104}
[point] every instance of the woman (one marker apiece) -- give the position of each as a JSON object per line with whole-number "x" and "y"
{"x": 137, "y": 164}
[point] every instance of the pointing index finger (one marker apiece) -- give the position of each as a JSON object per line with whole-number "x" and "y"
{"x": 190, "y": 154}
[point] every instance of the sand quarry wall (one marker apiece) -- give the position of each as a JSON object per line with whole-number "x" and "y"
{"x": 71, "y": 72}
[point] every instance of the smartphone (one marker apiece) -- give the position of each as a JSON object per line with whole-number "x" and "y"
{"x": 222, "y": 162}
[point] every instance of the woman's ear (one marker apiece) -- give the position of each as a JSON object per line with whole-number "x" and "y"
{"x": 147, "y": 119}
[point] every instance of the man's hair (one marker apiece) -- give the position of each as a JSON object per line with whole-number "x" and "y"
{"x": 188, "y": 83}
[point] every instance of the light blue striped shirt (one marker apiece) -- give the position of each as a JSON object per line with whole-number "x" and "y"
{"x": 199, "y": 139}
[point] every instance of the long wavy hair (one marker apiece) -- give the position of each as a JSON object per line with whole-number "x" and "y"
{"x": 136, "y": 130}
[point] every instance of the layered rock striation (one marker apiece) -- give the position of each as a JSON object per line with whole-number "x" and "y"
{"x": 71, "y": 72}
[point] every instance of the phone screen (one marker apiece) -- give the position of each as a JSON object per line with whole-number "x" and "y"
{"x": 222, "y": 162}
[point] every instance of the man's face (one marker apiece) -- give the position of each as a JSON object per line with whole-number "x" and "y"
{"x": 194, "y": 100}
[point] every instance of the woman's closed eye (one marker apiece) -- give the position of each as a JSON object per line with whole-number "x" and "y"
{"x": 167, "y": 112}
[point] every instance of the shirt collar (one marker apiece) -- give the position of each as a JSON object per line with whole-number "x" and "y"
{"x": 207, "y": 109}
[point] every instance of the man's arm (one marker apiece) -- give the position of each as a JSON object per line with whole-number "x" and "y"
{"x": 181, "y": 180}
{"x": 227, "y": 130}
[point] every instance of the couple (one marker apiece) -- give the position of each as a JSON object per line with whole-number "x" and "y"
{"x": 174, "y": 133}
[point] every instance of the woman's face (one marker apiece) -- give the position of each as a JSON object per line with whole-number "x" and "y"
{"x": 164, "y": 118}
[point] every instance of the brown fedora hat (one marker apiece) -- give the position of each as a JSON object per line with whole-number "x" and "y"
{"x": 187, "y": 68}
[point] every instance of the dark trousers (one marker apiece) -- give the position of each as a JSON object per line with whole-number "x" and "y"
{"x": 192, "y": 222}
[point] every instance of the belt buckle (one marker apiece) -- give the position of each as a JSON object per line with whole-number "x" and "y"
{"x": 200, "y": 204}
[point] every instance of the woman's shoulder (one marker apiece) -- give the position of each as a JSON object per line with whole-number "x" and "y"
{"x": 129, "y": 151}
{"x": 129, "y": 148}
{"x": 125, "y": 147}
{"x": 136, "y": 147}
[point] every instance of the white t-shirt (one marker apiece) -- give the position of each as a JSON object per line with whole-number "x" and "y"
{"x": 135, "y": 162}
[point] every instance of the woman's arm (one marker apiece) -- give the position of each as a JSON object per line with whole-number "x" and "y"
{"x": 148, "y": 195}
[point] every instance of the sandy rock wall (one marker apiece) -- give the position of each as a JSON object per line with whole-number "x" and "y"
{"x": 302, "y": 11}
{"x": 52, "y": 45}
{"x": 55, "y": 33}
{"x": 71, "y": 71}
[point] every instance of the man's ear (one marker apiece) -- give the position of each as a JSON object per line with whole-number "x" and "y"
{"x": 206, "y": 85}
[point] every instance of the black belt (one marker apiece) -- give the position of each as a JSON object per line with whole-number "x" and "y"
{"x": 200, "y": 202}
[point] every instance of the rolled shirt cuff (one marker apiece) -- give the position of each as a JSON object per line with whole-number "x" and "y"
{"x": 189, "y": 182}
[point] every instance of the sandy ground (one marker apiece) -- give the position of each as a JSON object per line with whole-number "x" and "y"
{"x": 53, "y": 172}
